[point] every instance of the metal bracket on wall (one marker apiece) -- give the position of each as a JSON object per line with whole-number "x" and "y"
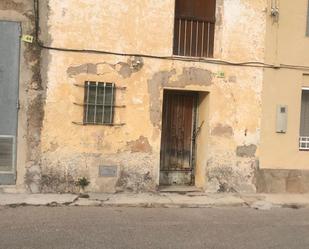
{"x": 85, "y": 104}
{"x": 274, "y": 10}
{"x": 85, "y": 124}
{"x": 116, "y": 87}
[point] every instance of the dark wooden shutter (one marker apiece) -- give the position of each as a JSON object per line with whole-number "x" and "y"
{"x": 194, "y": 27}
{"x": 203, "y": 10}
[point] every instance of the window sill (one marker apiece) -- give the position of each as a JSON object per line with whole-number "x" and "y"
{"x": 91, "y": 124}
{"x": 194, "y": 58}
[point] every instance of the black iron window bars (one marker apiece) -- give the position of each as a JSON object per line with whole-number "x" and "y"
{"x": 99, "y": 103}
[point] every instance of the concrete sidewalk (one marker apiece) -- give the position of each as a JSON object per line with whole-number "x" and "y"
{"x": 189, "y": 200}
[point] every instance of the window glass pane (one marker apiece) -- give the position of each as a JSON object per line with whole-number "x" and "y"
{"x": 90, "y": 118}
{"x": 304, "y": 123}
{"x": 108, "y": 94}
{"x": 92, "y": 92}
{"x": 108, "y": 98}
{"x": 99, "y": 119}
{"x": 100, "y": 98}
{"x": 108, "y": 116}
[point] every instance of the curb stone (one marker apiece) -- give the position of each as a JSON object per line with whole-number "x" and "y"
{"x": 264, "y": 205}
{"x": 86, "y": 202}
{"x": 150, "y": 200}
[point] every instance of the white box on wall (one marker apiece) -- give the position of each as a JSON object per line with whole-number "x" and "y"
{"x": 282, "y": 119}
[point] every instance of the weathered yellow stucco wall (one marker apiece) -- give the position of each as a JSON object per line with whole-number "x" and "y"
{"x": 229, "y": 141}
{"x": 286, "y": 43}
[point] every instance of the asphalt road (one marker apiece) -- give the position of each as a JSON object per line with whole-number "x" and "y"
{"x": 97, "y": 227}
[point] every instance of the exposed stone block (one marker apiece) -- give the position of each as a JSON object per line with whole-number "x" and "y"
{"x": 282, "y": 181}
{"x": 294, "y": 183}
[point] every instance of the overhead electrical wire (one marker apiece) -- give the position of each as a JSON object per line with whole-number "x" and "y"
{"x": 256, "y": 64}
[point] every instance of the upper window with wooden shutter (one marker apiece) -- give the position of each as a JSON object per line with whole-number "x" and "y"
{"x": 194, "y": 28}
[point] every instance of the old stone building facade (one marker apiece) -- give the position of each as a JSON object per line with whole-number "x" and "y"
{"x": 133, "y": 95}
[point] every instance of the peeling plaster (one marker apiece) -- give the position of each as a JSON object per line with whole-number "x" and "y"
{"x": 246, "y": 150}
{"x": 12, "y": 5}
{"x": 193, "y": 76}
{"x": 140, "y": 145}
{"x": 222, "y": 130}
{"x": 189, "y": 76}
{"x": 125, "y": 70}
{"x": 85, "y": 68}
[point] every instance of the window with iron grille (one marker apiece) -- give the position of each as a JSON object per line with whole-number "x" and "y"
{"x": 194, "y": 28}
{"x": 99, "y": 103}
{"x": 304, "y": 121}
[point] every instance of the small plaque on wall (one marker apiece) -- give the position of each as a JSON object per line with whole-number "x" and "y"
{"x": 108, "y": 171}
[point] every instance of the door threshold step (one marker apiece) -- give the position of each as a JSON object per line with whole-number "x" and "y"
{"x": 179, "y": 189}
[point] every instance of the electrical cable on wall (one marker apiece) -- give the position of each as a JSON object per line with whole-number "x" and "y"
{"x": 255, "y": 64}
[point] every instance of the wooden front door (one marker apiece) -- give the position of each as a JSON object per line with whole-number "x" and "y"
{"x": 177, "y": 142}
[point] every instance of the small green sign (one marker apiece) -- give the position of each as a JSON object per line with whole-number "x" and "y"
{"x": 27, "y": 38}
{"x": 220, "y": 74}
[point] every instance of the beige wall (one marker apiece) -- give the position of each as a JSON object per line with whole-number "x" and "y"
{"x": 229, "y": 141}
{"x": 286, "y": 43}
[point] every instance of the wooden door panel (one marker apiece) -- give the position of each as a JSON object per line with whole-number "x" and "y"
{"x": 177, "y": 129}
